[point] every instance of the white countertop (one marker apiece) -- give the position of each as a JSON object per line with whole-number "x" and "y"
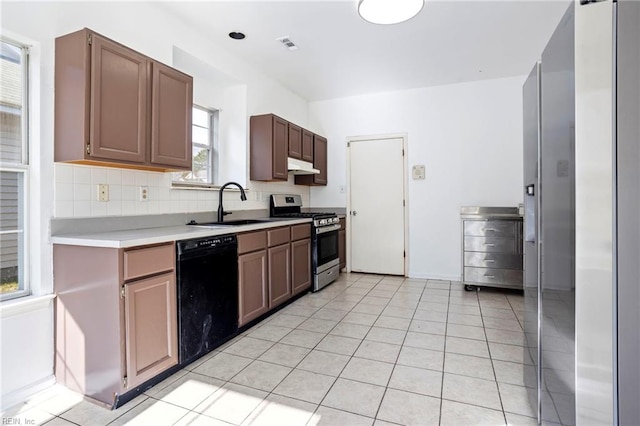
{"x": 139, "y": 237}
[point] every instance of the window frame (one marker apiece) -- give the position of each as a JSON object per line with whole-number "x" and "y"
{"x": 24, "y": 266}
{"x": 212, "y": 147}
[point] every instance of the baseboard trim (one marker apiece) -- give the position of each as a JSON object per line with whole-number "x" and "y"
{"x": 24, "y": 393}
{"x": 435, "y": 277}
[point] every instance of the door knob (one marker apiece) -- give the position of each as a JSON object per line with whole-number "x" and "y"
{"x": 354, "y": 213}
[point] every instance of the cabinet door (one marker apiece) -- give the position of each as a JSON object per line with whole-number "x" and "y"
{"x": 279, "y": 274}
{"x": 171, "y": 108}
{"x": 150, "y": 327}
{"x": 319, "y": 162}
{"x": 119, "y": 102}
{"x": 252, "y": 286}
{"x": 280, "y": 147}
{"x": 301, "y": 265}
{"x": 307, "y": 146}
{"x": 320, "y": 159}
{"x": 342, "y": 247}
{"x": 295, "y": 141}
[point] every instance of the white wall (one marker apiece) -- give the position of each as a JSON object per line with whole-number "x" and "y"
{"x": 147, "y": 28}
{"x": 469, "y": 137}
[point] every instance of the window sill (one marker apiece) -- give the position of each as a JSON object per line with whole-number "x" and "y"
{"x": 22, "y": 305}
{"x": 203, "y": 187}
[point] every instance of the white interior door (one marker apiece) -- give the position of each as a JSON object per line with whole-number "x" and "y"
{"x": 376, "y": 195}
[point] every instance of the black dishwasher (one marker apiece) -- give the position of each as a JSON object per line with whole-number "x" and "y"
{"x": 207, "y": 270}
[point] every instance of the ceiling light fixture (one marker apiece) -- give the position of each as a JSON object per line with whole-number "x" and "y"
{"x": 389, "y": 11}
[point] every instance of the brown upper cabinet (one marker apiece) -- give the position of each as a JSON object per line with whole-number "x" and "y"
{"x": 295, "y": 141}
{"x": 273, "y": 139}
{"x": 307, "y": 146}
{"x": 269, "y": 147}
{"x": 300, "y": 143}
{"x": 319, "y": 162}
{"x": 116, "y": 107}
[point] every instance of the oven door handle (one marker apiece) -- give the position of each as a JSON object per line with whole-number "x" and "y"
{"x": 325, "y": 229}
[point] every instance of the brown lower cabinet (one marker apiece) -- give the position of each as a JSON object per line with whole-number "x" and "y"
{"x": 274, "y": 265}
{"x": 252, "y": 285}
{"x": 342, "y": 243}
{"x": 300, "y": 258}
{"x": 279, "y": 274}
{"x": 115, "y": 317}
{"x": 151, "y": 333}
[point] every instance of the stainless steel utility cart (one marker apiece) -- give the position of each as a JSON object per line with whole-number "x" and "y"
{"x": 492, "y": 252}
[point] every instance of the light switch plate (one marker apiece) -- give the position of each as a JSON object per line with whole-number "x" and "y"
{"x": 417, "y": 171}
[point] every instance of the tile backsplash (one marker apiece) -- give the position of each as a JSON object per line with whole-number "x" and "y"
{"x": 76, "y": 193}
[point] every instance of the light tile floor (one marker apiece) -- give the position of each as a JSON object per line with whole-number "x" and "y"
{"x": 367, "y": 350}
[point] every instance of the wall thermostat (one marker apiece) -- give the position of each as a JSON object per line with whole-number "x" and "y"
{"x": 417, "y": 172}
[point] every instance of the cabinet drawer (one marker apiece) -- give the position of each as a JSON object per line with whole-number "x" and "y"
{"x": 492, "y": 276}
{"x": 278, "y": 236}
{"x": 145, "y": 261}
{"x": 490, "y": 228}
{"x": 490, "y": 244}
{"x": 300, "y": 232}
{"x": 493, "y": 260}
{"x": 252, "y": 241}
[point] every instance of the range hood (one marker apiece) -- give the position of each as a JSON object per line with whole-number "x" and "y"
{"x": 299, "y": 167}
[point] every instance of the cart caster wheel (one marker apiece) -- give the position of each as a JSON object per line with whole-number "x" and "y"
{"x": 470, "y": 287}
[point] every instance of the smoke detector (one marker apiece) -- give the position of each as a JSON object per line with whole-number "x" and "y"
{"x": 286, "y": 42}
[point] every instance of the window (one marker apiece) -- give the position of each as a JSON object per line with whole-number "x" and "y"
{"x": 204, "y": 135}
{"x": 14, "y": 171}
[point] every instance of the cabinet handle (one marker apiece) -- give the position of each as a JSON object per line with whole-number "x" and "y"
{"x": 489, "y": 260}
{"x": 488, "y": 229}
{"x": 489, "y": 276}
{"x": 489, "y": 244}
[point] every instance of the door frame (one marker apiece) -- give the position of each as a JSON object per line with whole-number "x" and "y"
{"x": 405, "y": 194}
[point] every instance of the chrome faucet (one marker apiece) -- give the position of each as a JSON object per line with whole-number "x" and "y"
{"x": 221, "y": 212}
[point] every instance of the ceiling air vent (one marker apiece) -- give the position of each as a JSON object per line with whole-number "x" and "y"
{"x": 286, "y": 42}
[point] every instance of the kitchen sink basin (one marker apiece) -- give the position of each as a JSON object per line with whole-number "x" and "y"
{"x": 230, "y": 223}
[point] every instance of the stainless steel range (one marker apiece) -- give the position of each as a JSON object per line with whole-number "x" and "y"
{"x": 324, "y": 237}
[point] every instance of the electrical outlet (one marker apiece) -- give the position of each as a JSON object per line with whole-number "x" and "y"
{"x": 103, "y": 192}
{"x": 144, "y": 193}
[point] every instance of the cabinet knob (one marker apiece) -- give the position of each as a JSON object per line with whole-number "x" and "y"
{"x": 354, "y": 213}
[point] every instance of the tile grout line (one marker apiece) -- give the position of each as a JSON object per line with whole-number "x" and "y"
{"x": 356, "y": 350}
{"x": 493, "y": 368}
{"x": 444, "y": 356}
{"x": 395, "y": 364}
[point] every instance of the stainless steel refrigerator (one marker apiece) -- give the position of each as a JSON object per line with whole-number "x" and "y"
{"x": 582, "y": 249}
{"x": 549, "y": 176}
